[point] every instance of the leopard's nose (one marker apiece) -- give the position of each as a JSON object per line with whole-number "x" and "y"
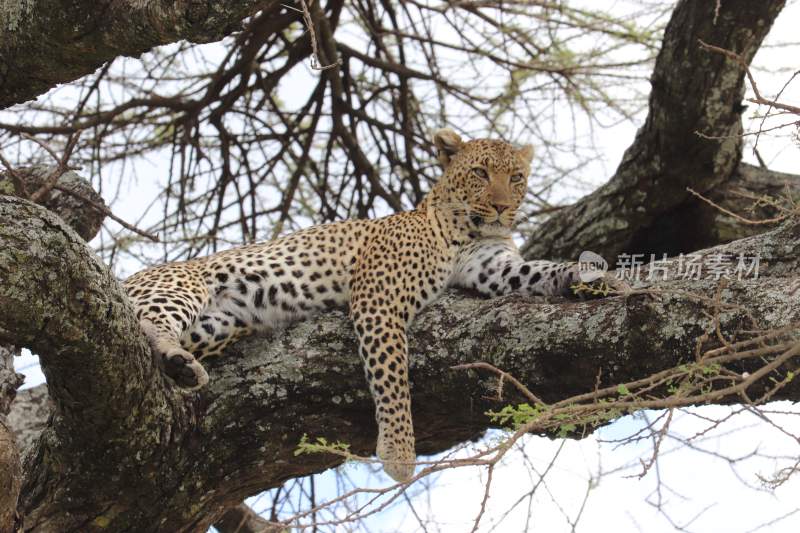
{"x": 500, "y": 208}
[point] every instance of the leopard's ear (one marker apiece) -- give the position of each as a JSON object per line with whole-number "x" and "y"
{"x": 447, "y": 143}
{"x": 526, "y": 153}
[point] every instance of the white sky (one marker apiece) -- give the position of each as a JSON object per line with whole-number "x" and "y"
{"x": 698, "y": 488}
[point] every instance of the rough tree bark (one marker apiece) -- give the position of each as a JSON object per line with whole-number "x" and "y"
{"x": 73, "y": 207}
{"x": 10, "y": 471}
{"x": 174, "y": 462}
{"x": 73, "y": 210}
{"x": 124, "y": 450}
{"x": 643, "y": 207}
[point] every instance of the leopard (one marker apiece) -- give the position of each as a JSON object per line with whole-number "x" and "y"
{"x": 385, "y": 270}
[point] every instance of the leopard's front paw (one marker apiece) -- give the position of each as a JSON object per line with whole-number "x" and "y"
{"x": 606, "y": 285}
{"x": 184, "y": 369}
{"x": 398, "y": 458}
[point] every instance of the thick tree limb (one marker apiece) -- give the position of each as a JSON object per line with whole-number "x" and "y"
{"x": 693, "y": 91}
{"x": 53, "y": 287}
{"x": 71, "y": 198}
{"x": 184, "y": 460}
{"x": 242, "y": 519}
{"x": 87, "y": 223}
{"x": 47, "y": 42}
{"x": 10, "y": 471}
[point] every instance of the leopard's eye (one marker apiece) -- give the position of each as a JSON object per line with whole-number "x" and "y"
{"x": 480, "y": 172}
{"x": 516, "y": 178}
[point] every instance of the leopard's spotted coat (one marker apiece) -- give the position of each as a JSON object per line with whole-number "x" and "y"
{"x": 386, "y": 270}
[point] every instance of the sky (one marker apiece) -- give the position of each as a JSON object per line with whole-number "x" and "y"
{"x": 691, "y": 488}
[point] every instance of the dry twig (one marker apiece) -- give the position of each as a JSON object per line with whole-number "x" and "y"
{"x": 734, "y": 215}
{"x": 107, "y": 212}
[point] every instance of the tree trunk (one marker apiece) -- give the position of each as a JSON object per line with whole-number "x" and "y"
{"x": 695, "y": 94}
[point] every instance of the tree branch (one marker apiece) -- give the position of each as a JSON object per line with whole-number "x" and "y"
{"x": 695, "y": 224}
{"x": 73, "y": 198}
{"x": 10, "y": 471}
{"x": 80, "y": 39}
{"x": 87, "y": 224}
{"x": 242, "y": 519}
{"x": 173, "y": 462}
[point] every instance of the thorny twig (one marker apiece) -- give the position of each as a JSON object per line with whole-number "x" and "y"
{"x": 315, "y": 62}
{"x": 758, "y": 98}
{"x": 734, "y": 215}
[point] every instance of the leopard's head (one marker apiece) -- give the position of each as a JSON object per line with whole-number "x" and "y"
{"x": 484, "y": 181}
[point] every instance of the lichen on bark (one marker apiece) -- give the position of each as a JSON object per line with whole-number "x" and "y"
{"x": 176, "y": 462}
{"x": 117, "y": 448}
